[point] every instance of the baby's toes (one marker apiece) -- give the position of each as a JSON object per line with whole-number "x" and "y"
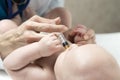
{"x": 91, "y": 33}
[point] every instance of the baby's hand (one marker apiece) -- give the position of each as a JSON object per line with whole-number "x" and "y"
{"x": 50, "y": 44}
{"x": 81, "y": 35}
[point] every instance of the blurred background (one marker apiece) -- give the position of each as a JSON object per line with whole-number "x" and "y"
{"x": 101, "y": 15}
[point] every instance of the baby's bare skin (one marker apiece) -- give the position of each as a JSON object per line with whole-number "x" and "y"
{"x": 86, "y": 65}
{"x": 43, "y": 63}
{"x": 31, "y": 64}
{"x": 87, "y": 62}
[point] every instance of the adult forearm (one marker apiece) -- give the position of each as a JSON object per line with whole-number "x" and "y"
{"x": 62, "y": 13}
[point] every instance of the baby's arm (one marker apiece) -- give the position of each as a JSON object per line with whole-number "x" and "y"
{"x": 23, "y": 56}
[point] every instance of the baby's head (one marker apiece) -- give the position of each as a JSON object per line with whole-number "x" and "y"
{"x": 88, "y": 62}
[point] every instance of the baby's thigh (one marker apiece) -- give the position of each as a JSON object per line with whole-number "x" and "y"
{"x": 33, "y": 72}
{"x": 40, "y": 73}
{"x": 87, "y": 62}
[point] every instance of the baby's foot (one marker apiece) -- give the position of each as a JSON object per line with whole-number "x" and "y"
{"x": 81, "y": 35}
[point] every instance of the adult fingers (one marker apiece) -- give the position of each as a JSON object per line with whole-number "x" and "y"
{"x": 44, "y": 27}
{"x": 39, "y": 19}
{"x": 31, "y": 36}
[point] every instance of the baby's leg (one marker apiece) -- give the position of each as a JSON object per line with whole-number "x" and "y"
{"x": 25, "y": 66}
{"x": 6, "y": 25}
{"x": 32, "y": 72}
{"x": 88, "y": 62}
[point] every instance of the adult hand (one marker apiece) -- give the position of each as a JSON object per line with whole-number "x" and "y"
{"x": 40, "y": 24}
{"x": 28, "y": 32}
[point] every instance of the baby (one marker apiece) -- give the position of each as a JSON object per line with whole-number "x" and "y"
{"x": 37, "y": 57}
{"x": 37, "y": 61}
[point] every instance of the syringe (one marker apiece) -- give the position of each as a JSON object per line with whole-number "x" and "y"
{"x": 63, "y": 41}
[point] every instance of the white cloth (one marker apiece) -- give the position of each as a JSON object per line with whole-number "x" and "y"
{"x": 44, "y": 6}
{"x": 4, "y": 76}
{"x": 111, "y": 42}
{"x": 1, "y": 65}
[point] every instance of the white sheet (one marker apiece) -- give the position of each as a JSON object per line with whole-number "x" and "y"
{"x": 110, "y": 42}
{"x": 4, "y": 76}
